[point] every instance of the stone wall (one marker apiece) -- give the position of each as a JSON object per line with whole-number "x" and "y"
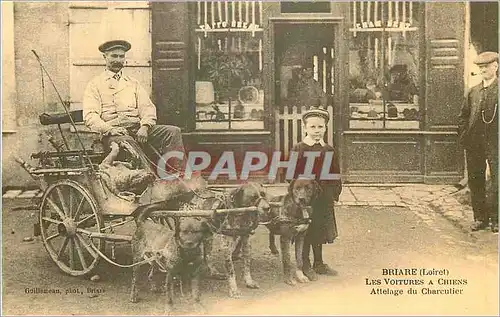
{"x": 42, "y": 27}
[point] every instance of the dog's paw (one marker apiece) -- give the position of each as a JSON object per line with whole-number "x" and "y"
{"x": 199, "y": 308}
{"x": 134, "y": 299}
{"x": 290, "y": 281}
{"x": 299, "y": 275}
{"x": 252, "y": 284}
{"x": 168, "y": 311}
{"x": 234, "y": 293}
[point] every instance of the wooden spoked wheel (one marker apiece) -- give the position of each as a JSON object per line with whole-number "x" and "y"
{"x": 68, "y": 213}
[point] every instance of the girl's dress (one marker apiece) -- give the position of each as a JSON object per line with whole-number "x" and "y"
{"x": 323, "y": 227}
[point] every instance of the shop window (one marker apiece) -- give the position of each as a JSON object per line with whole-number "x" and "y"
{"x": 229, "y": 82}
{"x": 384, "y": 65}
{"x": 305, "y": 7}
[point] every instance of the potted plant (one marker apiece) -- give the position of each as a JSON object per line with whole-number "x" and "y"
{"x": 227, "y": 71}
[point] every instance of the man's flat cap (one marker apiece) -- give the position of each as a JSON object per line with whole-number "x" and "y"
{"x": 316, "y": 112}
{"x": 486, "y": 58}
{"x": 109, "y": 45}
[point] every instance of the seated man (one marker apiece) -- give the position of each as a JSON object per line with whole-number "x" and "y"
{"x": 116, "y": 105}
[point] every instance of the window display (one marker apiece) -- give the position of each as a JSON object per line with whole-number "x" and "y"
{"x": 229, "y": 91}
{"x": 384, "y": 65}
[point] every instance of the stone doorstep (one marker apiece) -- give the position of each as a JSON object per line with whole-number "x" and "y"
{"x": 12, "y": 193}
{"x": 30, "y": 193}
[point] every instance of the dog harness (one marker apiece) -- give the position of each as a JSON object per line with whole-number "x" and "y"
{"x": 225, "y": 225}
{"x": 280, "y": 218}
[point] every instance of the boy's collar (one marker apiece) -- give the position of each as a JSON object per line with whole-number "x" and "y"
{"x": 309, "y": 141}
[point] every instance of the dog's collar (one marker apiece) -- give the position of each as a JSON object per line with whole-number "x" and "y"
{"x": 279, "y": 219}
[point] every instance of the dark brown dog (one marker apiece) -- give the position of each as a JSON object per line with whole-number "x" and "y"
{"x": 234, "y": 230}
{"x": 290, "y": 221}
{"x": 178, "y": 251}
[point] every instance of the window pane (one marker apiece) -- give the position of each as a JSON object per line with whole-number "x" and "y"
{"x": 383, "y": 66}
{"x": 229, "y": 88}
{"x": 402, "y": 104}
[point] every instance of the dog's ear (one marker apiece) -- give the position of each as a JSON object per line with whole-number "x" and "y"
{"x": 290, "y": 186}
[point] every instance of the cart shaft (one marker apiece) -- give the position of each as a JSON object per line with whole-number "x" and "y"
{"x": 106, "y": 236}
{"x": 201, "y": 212}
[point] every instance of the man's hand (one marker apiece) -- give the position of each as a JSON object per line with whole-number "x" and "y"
{"x": 142, "y": 134}
{"x": 117, "y": 131}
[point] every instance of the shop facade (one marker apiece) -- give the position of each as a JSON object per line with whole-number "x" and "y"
{"x": 230, "y": 74}
{"x": 393, "y": 74}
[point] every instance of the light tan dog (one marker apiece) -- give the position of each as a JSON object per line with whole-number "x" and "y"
{"x": 178, "y": 252}
{"x": 234, "y": 230}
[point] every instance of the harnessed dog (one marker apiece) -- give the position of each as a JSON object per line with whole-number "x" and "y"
{"x": 177, "y": 252}
{"x": 290, "y": 220}
{"x": 234, "y": 230}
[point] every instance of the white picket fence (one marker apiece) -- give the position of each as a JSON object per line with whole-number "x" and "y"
{"x": 291, "y": 136}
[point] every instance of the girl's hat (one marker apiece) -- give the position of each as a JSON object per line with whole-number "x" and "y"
{"x": 316, "y": 112}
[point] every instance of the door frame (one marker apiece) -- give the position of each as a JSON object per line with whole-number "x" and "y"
{"x": 340, "y": 47}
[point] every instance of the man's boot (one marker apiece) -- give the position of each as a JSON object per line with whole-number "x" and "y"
{"x": 479, "y": 225}
{"x": 494, "y": 227}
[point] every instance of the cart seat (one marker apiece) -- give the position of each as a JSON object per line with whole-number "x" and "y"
{"x": 61, "y": 117}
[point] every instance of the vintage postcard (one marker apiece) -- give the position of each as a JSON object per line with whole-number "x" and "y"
{"x": 250, "y": 158}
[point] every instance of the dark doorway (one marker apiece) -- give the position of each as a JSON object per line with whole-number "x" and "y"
{"x": 302, "y": 48}
{"x": 306, "y": 70}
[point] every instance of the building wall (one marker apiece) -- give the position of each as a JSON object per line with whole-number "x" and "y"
{"x": 91, "y": 24}
{"x": 8, "y": 69}
{"x": 41, "y": 27}
{"x": 65, "y": 35}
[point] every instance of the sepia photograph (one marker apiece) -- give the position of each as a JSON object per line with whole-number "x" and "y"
{"x": 228, "y": 158}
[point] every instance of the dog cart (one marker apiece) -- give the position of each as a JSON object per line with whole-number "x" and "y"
{"x": 78, "y": 213}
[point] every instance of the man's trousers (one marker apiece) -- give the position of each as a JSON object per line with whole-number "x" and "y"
{"x": 484, "y": 200}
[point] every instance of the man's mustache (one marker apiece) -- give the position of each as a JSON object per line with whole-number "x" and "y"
{"x": 117, "y": 64}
